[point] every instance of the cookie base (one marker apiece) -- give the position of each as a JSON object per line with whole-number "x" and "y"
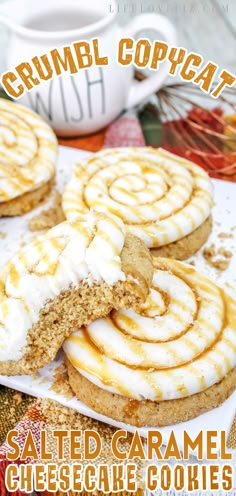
{"x": 149, "y": 413}
{"x": 26, "y": 202}
{"x": 78, "y": 306}
{"x": 187, "y": 246}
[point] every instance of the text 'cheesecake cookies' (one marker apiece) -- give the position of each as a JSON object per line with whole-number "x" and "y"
{"x": 74, "y": 273}
{"x": 170, "y": 361}
{"x": 163, "y": 199}
{"x": 28, "y": 150}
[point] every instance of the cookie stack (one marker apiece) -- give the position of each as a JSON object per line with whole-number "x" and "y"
{"x": 147, "y": 339}
{"x": 28, "y": 150}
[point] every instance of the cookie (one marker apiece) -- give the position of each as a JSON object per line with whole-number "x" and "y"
{"x": 163, "y": 199}
{"x": 145, "y": 412}
{"x": 171, "y": 360}
{"x": 186, "y": 247}
{"x": 28, "y": 157}
{"x": 64, "y": 279}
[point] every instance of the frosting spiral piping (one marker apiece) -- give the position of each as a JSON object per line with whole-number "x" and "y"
{"x": 160, "y": 197}
{"x": 178, "y": 343}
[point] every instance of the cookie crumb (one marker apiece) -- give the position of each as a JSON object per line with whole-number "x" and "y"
{"x": 225, "y": 253}
{"x": 48, "y": 218}
{"x": 61, "y": 383}
{"x": 211, "y": 255}
{"x": 223, "y": 235}
{"x": 35, "y": 375}
{"x": 3, "y": 235}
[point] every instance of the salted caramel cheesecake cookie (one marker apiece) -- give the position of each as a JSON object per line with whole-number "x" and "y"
{"x": 64, "y": 279}
{"x": 163, "y": 199}
{"x": 169, "y": 361}
{"x": 28, "y": 150}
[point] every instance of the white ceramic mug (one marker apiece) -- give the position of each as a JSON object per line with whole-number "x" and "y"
{"x": 90, "y": 99}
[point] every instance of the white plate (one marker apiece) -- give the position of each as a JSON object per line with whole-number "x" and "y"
{"x": 17, "y": 232}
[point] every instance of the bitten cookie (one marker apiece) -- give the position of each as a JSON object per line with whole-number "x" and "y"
{"x": 163, "y": 199}
{"x": 172, "y": 360}
{"x": 64, "y": 279}
{"x": 28, "y": 148}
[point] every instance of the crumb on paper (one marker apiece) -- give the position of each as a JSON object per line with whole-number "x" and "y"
{"x": 35, "y": 375}
{"x": 3, "y": 235}
{"x": 224, "y": 252}
{"x": 43, "y": 380}
{"x": 192, "y": 262}
{"x": 218, "y": 258}
{"x": 48, "y": 218}
{"x": 224, "y": 235}
{"x": 221, "y": 264}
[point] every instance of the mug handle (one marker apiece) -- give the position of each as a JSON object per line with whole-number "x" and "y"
{"x": 140, "y": 91}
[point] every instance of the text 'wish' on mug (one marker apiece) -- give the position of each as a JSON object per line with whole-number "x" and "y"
{"x": 141, "y": 53}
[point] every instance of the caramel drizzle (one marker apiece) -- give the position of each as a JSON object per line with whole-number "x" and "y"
{"x": 221, "y": 365}
{"x": 101, "y": 163}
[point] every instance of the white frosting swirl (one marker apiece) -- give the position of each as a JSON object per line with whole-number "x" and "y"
{"x": 181, "y": 341}
{"x": 86, "y": 250}
{"x": 28, "y": 150}
{"x": 160, "y": 197}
